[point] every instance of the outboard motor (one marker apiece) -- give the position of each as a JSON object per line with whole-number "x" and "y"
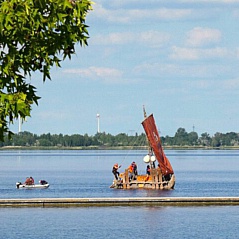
{"x": 18, "y": 184}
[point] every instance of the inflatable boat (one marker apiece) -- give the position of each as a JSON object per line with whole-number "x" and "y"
{"x": 42, "y": 184}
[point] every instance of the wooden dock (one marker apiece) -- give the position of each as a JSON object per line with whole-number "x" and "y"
{"x": 106, "y": 202}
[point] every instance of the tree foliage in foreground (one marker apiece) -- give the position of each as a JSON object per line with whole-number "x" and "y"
{"x": 35, "y": 35}
{"x": 180, "y": 139}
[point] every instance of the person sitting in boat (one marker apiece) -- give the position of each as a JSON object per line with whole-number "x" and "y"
{"x": 43, "y": 182}
{"x": 29, "y": 181}
{"x": 115, "y": 171}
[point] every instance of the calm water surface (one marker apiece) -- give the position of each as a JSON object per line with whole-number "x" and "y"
{"x": 88, "y": 174}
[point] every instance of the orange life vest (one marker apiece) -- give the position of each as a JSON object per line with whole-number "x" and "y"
{"x": 131, "y": 168}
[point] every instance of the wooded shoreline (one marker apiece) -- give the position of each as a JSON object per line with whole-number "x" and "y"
{"x": 115, "y": 148}
{"x": 181, "y": 140}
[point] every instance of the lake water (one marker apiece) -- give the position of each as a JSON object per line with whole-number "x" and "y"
{"x": 88, "y": 174}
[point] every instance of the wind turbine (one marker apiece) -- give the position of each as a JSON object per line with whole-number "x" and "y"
{"x": 98, "y": 123}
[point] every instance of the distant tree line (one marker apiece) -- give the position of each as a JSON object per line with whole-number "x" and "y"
{"x": 180, "y": 139}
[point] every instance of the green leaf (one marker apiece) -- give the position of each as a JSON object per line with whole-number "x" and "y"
{"x": 33, "y": 34}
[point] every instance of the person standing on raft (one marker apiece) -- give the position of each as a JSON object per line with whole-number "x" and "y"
{"x": 115, "y": 171}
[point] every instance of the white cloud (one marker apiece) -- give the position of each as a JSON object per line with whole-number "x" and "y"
{"x": 211, "y": 1}
{"x": 156, "y": 3}
{"x": 237, "y": 52}
{"x": 200, "y": 84}
{"x": 184, "y": 53}
{"x": 116, "y": 38}
{"x": 97, "y": 73}
{"x": 124, "y": 15}
{"x": 231, "y": 84}
{"x": 235, "y": 13}
{"x": 169, "y": 70}
{"x": 161, "y": 13}
{"x": 151, "y": 38}
{"x": 203, "y": 36}
{"x": 180, "y": 53}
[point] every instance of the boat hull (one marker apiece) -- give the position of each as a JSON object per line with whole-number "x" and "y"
{"x": 145, "y": 182}
{"x": 34, "y": 186}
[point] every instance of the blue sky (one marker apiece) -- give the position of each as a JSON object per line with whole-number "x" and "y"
{"x": 178, "y": 58}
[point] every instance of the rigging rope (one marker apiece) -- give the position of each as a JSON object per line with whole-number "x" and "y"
{"x": 137, "y": 138}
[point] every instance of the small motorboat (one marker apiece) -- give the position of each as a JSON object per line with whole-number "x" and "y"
{"x": 42, "y": 185}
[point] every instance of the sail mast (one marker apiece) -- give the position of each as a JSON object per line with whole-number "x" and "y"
{"x": 150, "y": 151}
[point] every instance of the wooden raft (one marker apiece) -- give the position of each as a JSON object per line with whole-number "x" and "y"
{"x": 153, "y": 181}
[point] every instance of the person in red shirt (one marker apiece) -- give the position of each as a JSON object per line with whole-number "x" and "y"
{"x": 29, "y": 181}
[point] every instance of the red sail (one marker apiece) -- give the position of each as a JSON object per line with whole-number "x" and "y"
{"x": 155, "y": 142}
